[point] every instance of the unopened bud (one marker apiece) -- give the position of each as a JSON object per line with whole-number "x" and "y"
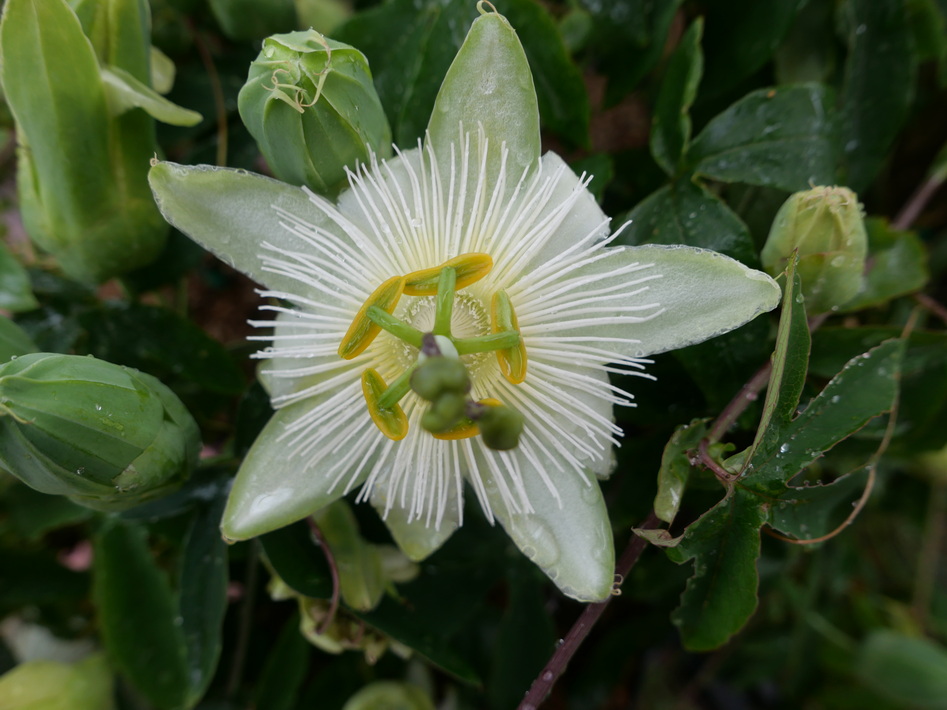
{"x": 108, "y": 436}
{"x": 311, "y": 106}
{"x": 825, "y": 225}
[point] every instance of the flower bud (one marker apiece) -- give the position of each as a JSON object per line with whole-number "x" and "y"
{"x": 311, "y": 106}
{"x": 825, "y": 225}
{"x": 78, "y": 86}
{"x": 108, "y": 436}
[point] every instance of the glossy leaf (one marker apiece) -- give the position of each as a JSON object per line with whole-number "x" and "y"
{"x": 137, "y": 613}
{"x": 721, "y": 595}
{"x": 202, "y": 597}
{"x": 297, "y": 559}
{"x": 676, "y": 468}
{"x": 865, "y": 388}
{"x": 13, "y": 340}
{"x": 812, "y": 511}
{"x": 671, "y": 125}
{"x": 124, "y": 92}
{"x": 685, "y": 213}
{"x": 898, "y": 266}
{"x": 784, "y": 137}
{"x": 879, "y": 85}
{"x": 741, "y": 37}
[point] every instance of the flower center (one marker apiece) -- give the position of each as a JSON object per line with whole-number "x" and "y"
{"x": 441, "y": 333}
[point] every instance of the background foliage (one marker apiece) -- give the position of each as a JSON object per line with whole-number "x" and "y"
{"x": 697, "y": 119}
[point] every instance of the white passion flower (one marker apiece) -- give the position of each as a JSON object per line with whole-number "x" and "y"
{"x": 473, "y": 248}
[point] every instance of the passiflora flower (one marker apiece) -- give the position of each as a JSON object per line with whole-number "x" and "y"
{"x": 472, "y": 248}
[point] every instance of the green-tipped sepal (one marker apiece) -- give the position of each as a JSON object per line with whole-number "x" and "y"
{"x": 108, "y": 436}
{"x": 826, "y": 226}
{"x": 311, "y": 106}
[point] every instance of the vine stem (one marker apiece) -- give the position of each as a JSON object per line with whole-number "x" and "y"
{"x": 587, "y": 619}
{"x": 333, "y": 572}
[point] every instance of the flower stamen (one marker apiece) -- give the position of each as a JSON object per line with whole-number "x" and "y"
{"x": 470, "y": 268}
{"x": 390, "y": 420}
{"x": 364, "y": 329}
{"x": 512, "y": 358}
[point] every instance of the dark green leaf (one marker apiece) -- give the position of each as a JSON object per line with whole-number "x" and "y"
{"x": 911, "y": 671}
{"x": 685, "y": 213}
{"x": 790, "y": 360}
{"x": 525, "y": 639}
{"x": 865, "y": 388}
{"x": 741, "y": 36}
{"x": 898, "y": 266}
{"x": 808, "y": 52}
{"x": 563, "y": 101}
{"x": 784, "y": 137}
{"x": 298, "y": 560}
{"x": 203, "y": 596}
{"x": 671, "y": 125}
{"x": 409, "y": 47}
{"x": 285, "y": 669}
{"x": 164, "y": 345}
{"x": 676, "y": 467}
{"x": 138, "y": 615}
{"x": 806, "y": 513}
{"x": 33, "y": 514}
{"x": 628, "y": 37}
{"x": 721, "y": 595}
{"x": 15, "y": 292}
{"x": 879, "y": 84}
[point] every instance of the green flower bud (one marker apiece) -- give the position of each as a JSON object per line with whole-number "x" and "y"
{"x": 445, "y": 412}
{"x": 108, "y": 436}
{"x": 51, "y": 685}
{"x": 389, "y": 694}
{"x": 78, "y": 85}
{"x": 311, "y": 106}
{"x": 826, "y": 226}
{"x": 500, "y": 427}
{"x": 439, "y": 375}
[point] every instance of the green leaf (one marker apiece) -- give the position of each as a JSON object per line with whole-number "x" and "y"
{"x": 409, "y": 46}
{"x": 790, "y": 359}
{"x": 15, "y": 292}
{"x": 865, "y": 388}
{"x": 898, "y": 266}
{"x": 34, "y": 514}
{"x": 784, "y": 137}
{"x": 124, "y": 92}
{"x": 563, "y": 100}
{"x": 808, "y": 52}
{"x": 721, "y": 595}
{"x": 489, "y": 85}
{"x": 671, "y": 125}
{"x": 297, "y": 559}
{"x": 13, "y": 340}
{"x": 137, "y": 614}
{"x": 741, "y": 37}
{"x": 879, "y": 85}
{"x": 685, "y": 213}
{"x": 628, "y": 37}
{"x": 676, "y": 467}
{"x": 807, "y": 512}
{"x": 525, "y": 639}
{"x": 202, "y": 598}
{"x": 911, "y": 671}
{"x": 163, "y": 344}
{"x": 286, "y": 668}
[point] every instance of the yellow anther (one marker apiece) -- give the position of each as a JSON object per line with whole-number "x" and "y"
{"x": 391, "y": 421}
{"x": 470, "y": 268}
{"x": 466, "y": 428}
{"x": 503, "y": 318}
{"x": 363, "y": 331}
